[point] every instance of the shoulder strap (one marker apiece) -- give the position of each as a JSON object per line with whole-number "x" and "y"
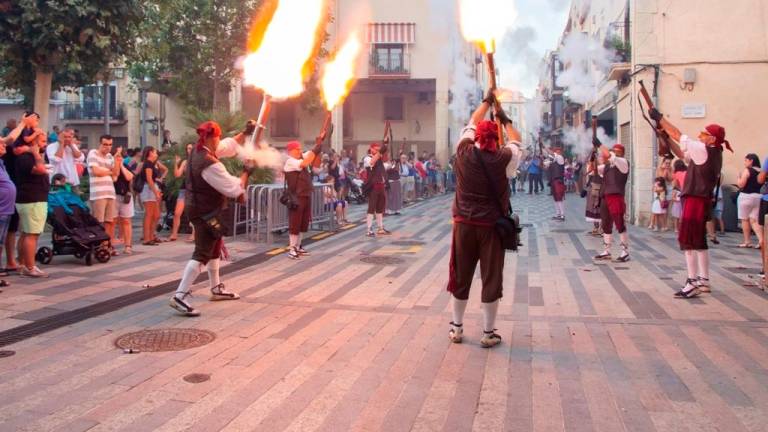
{"x": 494, "y": 192}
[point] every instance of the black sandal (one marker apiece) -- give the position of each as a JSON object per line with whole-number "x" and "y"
{"x": 4, "y": 284}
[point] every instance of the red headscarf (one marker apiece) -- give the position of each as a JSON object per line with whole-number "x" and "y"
{"x": 487, "y": 135}
{"x": 718, "y": 132}
{"x": 209, "y": 129}
{"x": 293, "y": 145}
{"x": 376, "y": 146}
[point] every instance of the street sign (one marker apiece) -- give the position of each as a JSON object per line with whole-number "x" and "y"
{"x": 692, "y": 111}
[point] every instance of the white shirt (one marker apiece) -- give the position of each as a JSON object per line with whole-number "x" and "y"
{"x": 65, "y": 164}
{"x": 619, "y": 162}
{"x": 694, "y": 150}
{"x": 469, "y": 134}
{"x": 217, "y": 176}
{"x": 227, "y": 147}
{"x": 293, "y": 164}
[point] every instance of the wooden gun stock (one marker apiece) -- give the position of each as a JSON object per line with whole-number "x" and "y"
{"x": 663, "y": 138}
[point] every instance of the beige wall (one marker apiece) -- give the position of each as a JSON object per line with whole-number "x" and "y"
{"x": 727, "y": 44}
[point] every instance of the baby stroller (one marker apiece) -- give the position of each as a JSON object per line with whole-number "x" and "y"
{"x": 75, "y": 231}
{"x": 356, "y": 191}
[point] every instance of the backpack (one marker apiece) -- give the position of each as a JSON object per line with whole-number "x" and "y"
{"x": 138, "y": 183}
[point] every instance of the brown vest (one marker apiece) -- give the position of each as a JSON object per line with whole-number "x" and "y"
{"x": 201, "y": 198}
{"x": 474, "y": 200}
{"x": 614, "y": 181}
{"x": 299, "y": 182}
{"x": 700, "y": 180}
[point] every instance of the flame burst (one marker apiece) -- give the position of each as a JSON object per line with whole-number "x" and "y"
{"x": 485, "y": 21}
{"x": 339, "y": 74}
{"x": 278, "y": 65}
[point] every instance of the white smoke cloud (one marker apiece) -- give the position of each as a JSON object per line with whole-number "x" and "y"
{"x": 580, "y": 138}
{"x": 586, "y": 63}
{"x": 262, "y": 155}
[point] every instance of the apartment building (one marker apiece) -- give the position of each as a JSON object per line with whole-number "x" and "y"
{"x": 406, "y": 76}
{"x": 697, "y": 76}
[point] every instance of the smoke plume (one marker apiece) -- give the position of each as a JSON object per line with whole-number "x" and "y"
{"x": 580, "y": 138}
{"x": 586, "y": 63}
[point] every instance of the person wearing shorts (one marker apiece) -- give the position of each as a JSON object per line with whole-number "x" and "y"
{"x": 749, "y": 200}
{"x": 103, "y": 169}
{"x": 377, "y": 197}
{"x": 125, "y": 208}
{"x": 762, "y": 219}
{"x": 32, "y": 202}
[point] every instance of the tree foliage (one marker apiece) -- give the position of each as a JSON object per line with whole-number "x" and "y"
{"x": 74, "y": 39}
{"x": 190, "y": 47}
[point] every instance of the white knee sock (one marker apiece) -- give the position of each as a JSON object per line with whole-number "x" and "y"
{"x": 625, "y": 241}
{"x": 298, "y": 240}
{"x": 691, "y": 264}
{"x": 191, "y": 271}
{"x": 702, "y": 258}
{"x": 489, "y": 315}
{"x": 369, "y": 221}
{"x": 607, "y": 241}
{"x": 293, "y": 240}
{"x": 380, "y": 220}
{"x": 213, "y": 272}
{"x": 459, "y": 306}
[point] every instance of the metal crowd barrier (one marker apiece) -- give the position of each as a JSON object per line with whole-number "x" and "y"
{"x": 265, "y": 215}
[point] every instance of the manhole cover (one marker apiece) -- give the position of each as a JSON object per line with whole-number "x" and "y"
{"x": 381, "y": 260}
{"x": 408, "y": 243}
{"x": 197, "y": 378}
{"x": 170, "y": 339}
{"x": 6, "y": 353}
{"x": 526, "y": 225}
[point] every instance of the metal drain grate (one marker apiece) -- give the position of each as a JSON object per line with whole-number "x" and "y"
{"x": 197, "y": 378}
{"x": 170, "y": 339}
{"x": 381, "y": 260}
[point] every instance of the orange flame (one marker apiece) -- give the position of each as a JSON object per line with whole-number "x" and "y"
{"x": 485, "y": 21}
{"x": 339, "y": 73}
{"x": 287, "y": 44}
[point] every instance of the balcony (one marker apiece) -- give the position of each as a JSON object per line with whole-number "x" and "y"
{"x": 389, "y": 66}
{"x": 92, "y": 112}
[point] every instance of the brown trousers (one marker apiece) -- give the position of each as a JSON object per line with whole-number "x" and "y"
{"x": 472, "y": 243}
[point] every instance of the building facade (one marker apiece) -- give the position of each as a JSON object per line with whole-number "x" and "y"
{"x": 406, "y": 75}
{"x": 697, "y": 76}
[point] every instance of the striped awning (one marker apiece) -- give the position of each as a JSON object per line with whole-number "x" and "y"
{"x": 396, "y": 33}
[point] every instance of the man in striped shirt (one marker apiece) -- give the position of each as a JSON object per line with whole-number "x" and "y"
{"x": 103, "y": 170}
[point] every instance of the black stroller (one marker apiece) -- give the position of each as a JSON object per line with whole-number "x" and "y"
{"x": 75, "y": 231}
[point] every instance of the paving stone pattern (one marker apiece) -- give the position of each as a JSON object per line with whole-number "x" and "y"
{"x": 334, "y": 342}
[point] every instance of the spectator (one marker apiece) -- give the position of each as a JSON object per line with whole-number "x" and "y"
{"x": 395, "y": 190}
{"x": 103, "y": 169}
{"x": 53, "y": 136}
{"x": 763, "y": 216}
{"x": 180, "y": 171}
{"x": 522, "y": 174}
{"x": 406, "y": 178}
{"x": 125, "y": 209}
{"x": 717, "y": 213}
{"x": 659, "y": 206}
{"x": 32, "y": 183}
{"x": 21, "y": 142}
{"x": 7, "y": 196}
{"x": 749, "y": 200}
{"x": 422, "y": 186}
{"x": 333, "y": 201}
{"x": 534, "y": 176}
{"x": 151, "y": 196}
{"x": 64, "y": 155}
{"x": 9, "y": 126}
{"x": 676, "y": 206}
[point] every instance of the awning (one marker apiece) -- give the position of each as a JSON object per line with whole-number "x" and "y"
{"x": 391, "y": 33}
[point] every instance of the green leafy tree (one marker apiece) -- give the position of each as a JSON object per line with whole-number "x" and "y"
{"x": 53, "y": 44}
{"x": 190, "y": 48}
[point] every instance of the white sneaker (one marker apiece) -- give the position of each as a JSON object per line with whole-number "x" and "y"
{"x": 34, "y": 272}
{"x": 490, "y": 339}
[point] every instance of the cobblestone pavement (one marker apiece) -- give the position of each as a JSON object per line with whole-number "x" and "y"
{"x": 339, "y": 341}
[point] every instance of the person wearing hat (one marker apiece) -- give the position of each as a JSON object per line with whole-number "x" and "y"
{"x": 482, "y": 197}
{"x": 298, "y": 179}
{"x": 208, "y": 187}
{"x": 705, "y": 157}
{"x": 613, "y": 206}
{"x": 377, "y": 181}
{"x": 556, "y": 174}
